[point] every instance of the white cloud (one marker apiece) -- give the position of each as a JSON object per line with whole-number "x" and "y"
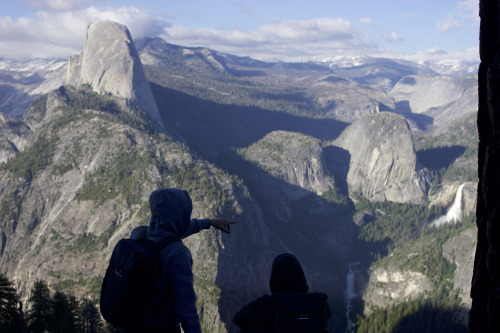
{"x": 59, "y": 34}
{"x": 308, "y": 30}
{"x": 23, "y": 50}
{"x": 62, "y": 33}
{"x": 291, "y": 40}
{"x": 436, "y": 55}
{"x": 469, "y": 10}
{"x": 392, "y": 38}
{"x": 369, "y": 22}
{"x": 449, "y": 24}
{"x": 59, "y": 5}
{"x": 464, "y": 13}
{"x": 366, "y": 20}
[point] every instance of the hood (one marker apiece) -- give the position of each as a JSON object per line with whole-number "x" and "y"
{"x": 287, "y": 275}
{"x": 139, "y": 233}
{"x": 170, "y": 214}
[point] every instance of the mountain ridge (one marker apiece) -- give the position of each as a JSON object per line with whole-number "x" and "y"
{"x": 80, "y": 164}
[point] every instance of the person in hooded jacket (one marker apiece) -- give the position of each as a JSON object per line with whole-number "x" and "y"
{"x": 170, "y": 223}
{"x": 287, "y": 277}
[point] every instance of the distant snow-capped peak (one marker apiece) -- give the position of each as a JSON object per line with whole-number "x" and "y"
{"x": 342, "y": 61}
{"x": 453, "y": 67}
{"x": 32, "y": 65}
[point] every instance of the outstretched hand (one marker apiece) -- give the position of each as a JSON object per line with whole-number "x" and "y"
{"x": 222, "y": 225}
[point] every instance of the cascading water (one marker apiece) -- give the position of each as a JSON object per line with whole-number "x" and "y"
{"x": 455, "y": 211}
{"x": 350, "y": 294}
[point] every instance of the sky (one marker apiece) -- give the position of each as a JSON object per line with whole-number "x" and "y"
{"x": 287, "y": 30}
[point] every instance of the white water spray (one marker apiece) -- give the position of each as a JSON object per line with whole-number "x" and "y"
{"x": 455, "y": 211}
{"x": 350, "y": 294}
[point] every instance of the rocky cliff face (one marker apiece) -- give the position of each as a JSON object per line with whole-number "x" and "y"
{"x": 14, "y": 135}
{"x": 293, "y": 157}
{"x": 407, "y": 273}
{"x": 22, "y": 81}
{"x": 383, "y": 164}
{"x": 81, "y": 181}
{"x": 425, "y": 92}
{"x": 77, "y": 177}
{"x": 79, "y": 167}
{"x": 439, "y": 99}
{"x": 110, "y": 64}
{"x": 460, "y": 250}
{"x": 392, "y": 285}
{"x": 347, "y": 100}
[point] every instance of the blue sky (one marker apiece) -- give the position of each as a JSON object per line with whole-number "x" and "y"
{"x": 288, "y": 30}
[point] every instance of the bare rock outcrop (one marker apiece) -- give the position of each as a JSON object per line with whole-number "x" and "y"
{"x": 383, "y": 164}
{"x": 440, "y": 99}
{"x": 293, "y": 157}
{"x": 13, "y": 136}
{"x": 110, "y": 64}
{"x": 62, "y": 216}
{"x": 460, "y": 250}
{"x": 426, "y": 92}
{"x": 392, "y": 285}
{"x": 348, "y": 100}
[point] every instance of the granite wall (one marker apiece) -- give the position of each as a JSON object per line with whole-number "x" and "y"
{"x": 484, "y": 315}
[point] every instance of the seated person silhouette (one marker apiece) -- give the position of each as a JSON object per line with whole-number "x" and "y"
{"x": 289, "y": 305}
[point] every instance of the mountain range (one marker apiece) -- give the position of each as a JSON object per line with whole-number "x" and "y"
{"x": 309, "y": 158}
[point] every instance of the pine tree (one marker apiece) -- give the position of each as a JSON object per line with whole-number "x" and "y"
{"x": 62, "y": 318}
{"x": 9, "y": 315}
{"x": 38, "y": 316}
{"x": 91, "y": 319}
{"x": 75, "y": 308}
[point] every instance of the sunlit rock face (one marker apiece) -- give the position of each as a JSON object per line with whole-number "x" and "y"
{"x": 383, "y": 164}
{"x": 110, "y": 64}
{"x": 294, "y": 157}
{"x": 13, "y": 136}
{"x": 391, "y": 285}
{"x": 441, "y": 98}
{"x": 460, "y": 250}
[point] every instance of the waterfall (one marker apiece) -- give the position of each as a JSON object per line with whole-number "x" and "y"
{"x": 350, "y": 294}
{"x": 455, "y": 211}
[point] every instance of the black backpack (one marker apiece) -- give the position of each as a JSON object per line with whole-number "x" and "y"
{"x": 129, "y": 285}
{"x": 299, "y": 312}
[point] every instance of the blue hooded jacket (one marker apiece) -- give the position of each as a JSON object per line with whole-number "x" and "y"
{"x": 171, "y": 218}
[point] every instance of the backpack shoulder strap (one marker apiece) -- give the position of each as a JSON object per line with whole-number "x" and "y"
{"x": 299, "y": 302}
